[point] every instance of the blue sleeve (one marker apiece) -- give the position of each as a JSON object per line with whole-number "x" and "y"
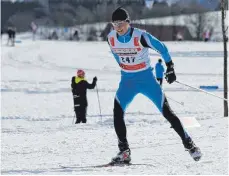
{"x": 158, "y": 46}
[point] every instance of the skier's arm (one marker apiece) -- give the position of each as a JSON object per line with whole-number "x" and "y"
{"x": 149, "y": 41}
{"x": 92, "y": 85}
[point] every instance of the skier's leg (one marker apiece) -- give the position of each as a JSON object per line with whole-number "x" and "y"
{"x": 122, "y": 100}
{"x": 77, "y": 118}
{"x": 84, "y": 114}
{"x": 125, "y": 94}
{"x": 154, "y": 92}
{"x": 188, "y": 143}
{"x": 77, "y": 111}
{"x": 120, "y": 129}
{"x": 174, "y": 120}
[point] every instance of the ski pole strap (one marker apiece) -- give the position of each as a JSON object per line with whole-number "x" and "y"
{"x": 202, "y": 90}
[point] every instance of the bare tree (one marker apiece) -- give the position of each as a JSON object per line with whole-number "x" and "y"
{"x": 224, "y": 30}
{"x": 197, "y": 22}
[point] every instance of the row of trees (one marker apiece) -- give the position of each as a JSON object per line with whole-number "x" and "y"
{"x": 75, "y": 12}
{"x": 81, "y": 12}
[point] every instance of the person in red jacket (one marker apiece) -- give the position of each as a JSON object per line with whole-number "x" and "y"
{"x": 79, "y": 90}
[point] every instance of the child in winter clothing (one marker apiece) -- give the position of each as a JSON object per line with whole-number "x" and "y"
{"x": 79, "y": 90}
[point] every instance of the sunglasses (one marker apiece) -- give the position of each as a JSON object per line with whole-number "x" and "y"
{"x": 119, "y": 23}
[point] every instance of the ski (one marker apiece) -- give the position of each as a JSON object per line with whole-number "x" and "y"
{"x": 111, "y": 164}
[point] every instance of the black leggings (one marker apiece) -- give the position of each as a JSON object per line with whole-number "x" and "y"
{"x": 120, "y": 127}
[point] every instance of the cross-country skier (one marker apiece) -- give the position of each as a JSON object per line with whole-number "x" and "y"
{"x": 79, "y": 90}
{"x": 130, "y": 49}
{"x": 159, "y": 70}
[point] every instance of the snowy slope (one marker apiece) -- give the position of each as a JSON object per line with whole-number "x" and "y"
{"x": 37, "y": 112}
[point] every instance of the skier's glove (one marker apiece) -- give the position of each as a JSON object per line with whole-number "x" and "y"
{"x": 95, "y": 79}
{"x": 170, "y": 75}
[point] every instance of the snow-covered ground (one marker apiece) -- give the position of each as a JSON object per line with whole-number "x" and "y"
{"x": 38, "y": 136}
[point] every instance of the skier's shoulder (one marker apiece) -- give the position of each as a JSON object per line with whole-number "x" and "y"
{"x": 111, "y": 33}
{"x": 110, "y": 37}
{"x": 83, "y": 82}
{"x": 78, "y": 81}
{"x": 138, "y": 30}
{"x": 143, "y": 32}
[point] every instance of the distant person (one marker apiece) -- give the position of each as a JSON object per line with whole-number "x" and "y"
{"x": 206, "y": 35}
{"x": 159, "y": 69}
{"x": 11, "y": 31}
{"x": 34, "y": 29}
{"x": 54, "y": 36}
{"x": 79, "y": 90}
{"x": 76, "y": 35}
{"x": 179, "y": 36}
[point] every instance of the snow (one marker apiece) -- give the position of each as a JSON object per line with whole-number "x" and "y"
{"x": 37, "y": 112}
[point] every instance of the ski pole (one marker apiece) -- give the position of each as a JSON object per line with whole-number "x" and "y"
{"x": 73, "y": 118}
{"x": 202, "y": 90}
{"x": 181, "y": 103}
{"x": 99, "y": 103}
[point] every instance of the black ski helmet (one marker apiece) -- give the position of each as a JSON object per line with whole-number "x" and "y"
{"x": 120, "y": 14}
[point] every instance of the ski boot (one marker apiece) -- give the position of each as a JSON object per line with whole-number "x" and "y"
{"x": 123, "y": 157}
{"x": 193, "y": 150}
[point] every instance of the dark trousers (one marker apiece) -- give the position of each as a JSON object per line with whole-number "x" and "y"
{"x": 120, "y": 127}
{"x": 81, "y": 112}
{"x": 160, "y": 80}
